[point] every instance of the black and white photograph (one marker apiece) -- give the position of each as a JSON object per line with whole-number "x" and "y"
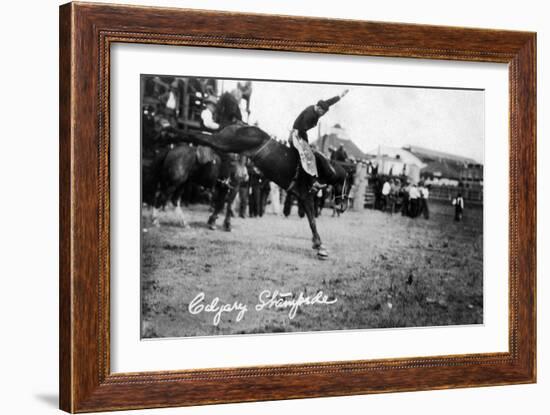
{"x": 275, "y": 207}
{"x": 271, "y": 206}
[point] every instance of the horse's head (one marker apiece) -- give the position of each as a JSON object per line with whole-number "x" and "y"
{"x": 342, "y": 187}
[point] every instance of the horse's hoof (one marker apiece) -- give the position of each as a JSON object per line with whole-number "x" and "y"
{"x": 227, "y": 228}
{"x": 212, "y": 227}
{"x": 322, "y": 254}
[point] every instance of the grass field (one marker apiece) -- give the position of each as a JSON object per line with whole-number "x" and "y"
{"x": 383, "y": 271}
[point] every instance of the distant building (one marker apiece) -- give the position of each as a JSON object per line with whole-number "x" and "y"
{"x": 336, "y": 136}
{"x": 448, "y": 168}
{"x": 395, "y": 161}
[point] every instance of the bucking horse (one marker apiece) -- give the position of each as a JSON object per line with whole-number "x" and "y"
{"x": 176, "y": 167}
{"x": 277, "y": 163}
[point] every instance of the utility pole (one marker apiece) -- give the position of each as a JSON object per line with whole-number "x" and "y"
{"x": 319, "y": 142}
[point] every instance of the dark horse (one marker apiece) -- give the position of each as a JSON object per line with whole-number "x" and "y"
{"x": 340, "y": 192}
{"x": 277, "y": 162}
{"x": 184, "y": 164}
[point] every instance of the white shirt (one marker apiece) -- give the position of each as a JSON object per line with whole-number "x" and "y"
{"x": 171, "y": 103}
{"x": 386, "y": 189}
{"x": 459, "y": 201}
{"x": 414, "y": 193}
{"x": 424, "y": 192}
{"x": 208, "y": 119}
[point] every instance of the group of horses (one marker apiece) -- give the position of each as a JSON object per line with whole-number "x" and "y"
{"x": 218, "y": 161}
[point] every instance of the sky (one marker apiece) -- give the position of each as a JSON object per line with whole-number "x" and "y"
{"x": 446, "y": 120}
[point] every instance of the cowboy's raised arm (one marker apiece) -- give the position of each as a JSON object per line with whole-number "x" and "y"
{"x": 331, "y": 101}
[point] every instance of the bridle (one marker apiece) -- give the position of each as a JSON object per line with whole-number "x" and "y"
{"x": 343, "y": 196}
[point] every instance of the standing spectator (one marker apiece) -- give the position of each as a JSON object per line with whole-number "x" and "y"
{"x": 265, "y": 188}
{"x": 374, "y": 169}
{"x": 228, "y": 110}
{"x": 275, "y": 198}
{"x": 394, "y": 194}
{"x": 319, "y": 201}
{"x": 243, "y": 196}
{"x": 169, "y": 99}
{"x": 386, "y": 189}
{"x": 208, "y": 114}
{"x": 458, "y": 203}
{"x": 424, "y": 194}
{"x": 211, "y": 86}
{"x": 259, "y": 190}
{"x": 246, "y": 91}
{"x": 414, "y": 196}
{"x": 254, "y": 193}
{"x": 331, "y": 153}
{"x": 340, "y": 154}
{"x": 404, "y": 193}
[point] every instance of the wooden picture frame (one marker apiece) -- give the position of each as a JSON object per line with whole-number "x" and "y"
{"x": 86, "y": 33}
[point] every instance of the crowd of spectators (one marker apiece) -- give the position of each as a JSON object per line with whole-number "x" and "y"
{"x": 411, "y": 199}
{"x": 408, "y": 198}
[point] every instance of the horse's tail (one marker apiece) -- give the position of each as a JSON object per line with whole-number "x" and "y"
{"x": 152, "y": 176}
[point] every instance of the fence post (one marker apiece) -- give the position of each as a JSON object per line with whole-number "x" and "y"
{"x": 359, "y": 185}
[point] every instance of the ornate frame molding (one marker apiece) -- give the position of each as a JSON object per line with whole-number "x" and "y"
{"x": 86, "y": 34}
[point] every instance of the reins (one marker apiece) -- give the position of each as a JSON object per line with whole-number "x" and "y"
{"x": 342, "y": 195}
{"x": 263, "y": 146}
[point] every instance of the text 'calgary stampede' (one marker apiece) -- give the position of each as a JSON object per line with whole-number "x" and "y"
{"x": 266, "y": 300}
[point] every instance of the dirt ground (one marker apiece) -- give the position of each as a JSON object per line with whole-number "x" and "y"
{"x": 383, "y": 271}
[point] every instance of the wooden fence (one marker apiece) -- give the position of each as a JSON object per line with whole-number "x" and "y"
{"x": 439, "y": 193}
{"x": 471, "y": 194}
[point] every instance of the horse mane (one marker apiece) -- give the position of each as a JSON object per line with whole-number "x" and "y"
{"x": 252, "y": 131}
